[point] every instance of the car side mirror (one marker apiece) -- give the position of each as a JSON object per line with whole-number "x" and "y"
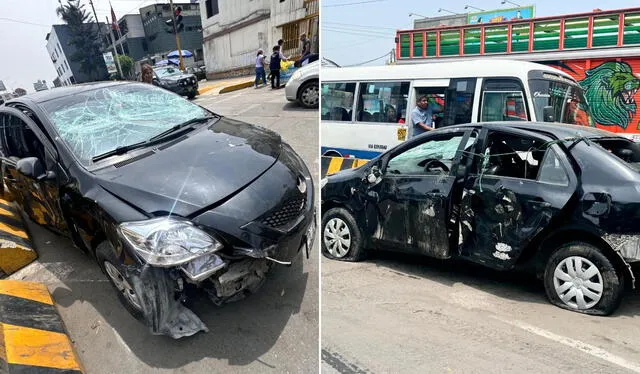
{"x": 32, "y": 167}
{"x": 548, "y": 114}
{"x": 155, "y": 81}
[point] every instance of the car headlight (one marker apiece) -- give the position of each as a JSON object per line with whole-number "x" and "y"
{"x": 166, "y": 242}
{"x": 323, "y": 182}
{"x": 297, "y": 75}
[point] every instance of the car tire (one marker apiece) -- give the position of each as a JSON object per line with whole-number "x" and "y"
{"x": 192, "y": 95}
{"x": 113, "y": 269}
{"x": 579, "y": 268}
{"x": 308, "y": 95}
{"x": 339, "y": 221}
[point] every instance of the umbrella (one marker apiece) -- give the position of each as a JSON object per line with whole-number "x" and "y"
{"x": 167, "y": 62}
{"x": 185, "y": 53}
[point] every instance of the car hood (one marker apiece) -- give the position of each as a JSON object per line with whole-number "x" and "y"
{"x": 206, "y": 167}
{"x": 175, "y": 78}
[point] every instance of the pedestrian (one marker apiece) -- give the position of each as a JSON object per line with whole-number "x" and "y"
{"x": 260, "y": 72}
{"x": 306, "y": 45}
{"x": 422, "y": 115}
{"x": 147, "y": 73}
{"x": 274, "y": 66}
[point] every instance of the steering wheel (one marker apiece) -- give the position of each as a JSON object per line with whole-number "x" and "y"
{"x": 432, "y": 162}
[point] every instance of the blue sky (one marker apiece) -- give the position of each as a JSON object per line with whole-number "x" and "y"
{"x": 351, "y": 34}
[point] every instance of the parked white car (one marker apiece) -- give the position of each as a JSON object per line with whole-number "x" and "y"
{"x": 303, "y": 86}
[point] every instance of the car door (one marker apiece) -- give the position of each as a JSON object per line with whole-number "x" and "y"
{"x": 22, "y": 138}
{"x": 414, "y": 194}
{"x": 519, "y": 185}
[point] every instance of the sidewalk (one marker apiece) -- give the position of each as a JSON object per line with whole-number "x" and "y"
{"x": 218, "y": 86}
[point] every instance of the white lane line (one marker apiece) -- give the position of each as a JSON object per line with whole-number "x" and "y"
{"x": 576, "y": 344}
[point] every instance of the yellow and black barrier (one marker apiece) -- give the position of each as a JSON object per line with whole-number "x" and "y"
{"x": 16, "y": 248}
{"x": 33, "y": 338}
{"x": 332, "y": 165}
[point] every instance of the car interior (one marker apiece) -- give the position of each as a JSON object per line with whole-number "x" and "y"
{"x": 626, "y": 150}
{"x": 513, "y": 156}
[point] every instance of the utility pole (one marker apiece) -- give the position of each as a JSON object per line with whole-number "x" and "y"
{"x": 175, "y": 31}
{"x": 115, "y": 50}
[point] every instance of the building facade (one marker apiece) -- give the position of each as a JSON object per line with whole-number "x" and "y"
{"x": 234, "y": 31}
{"x": 60, "y": 50}
{"x": 131, "y": 38}
{"x": 160, "y": 40}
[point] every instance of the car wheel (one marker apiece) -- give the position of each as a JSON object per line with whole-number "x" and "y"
{"x": 111, "y": 266}
{"x": 579, "y": 277}
{"x": 309, "y": 95}
{"x": 341, "y": 237}
{"x": 192, "y": 95}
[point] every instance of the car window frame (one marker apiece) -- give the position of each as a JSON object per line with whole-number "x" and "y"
{"x": 467, "y": 131}
{"x": 48, "y": 146}
{"x": 561, "y": 153}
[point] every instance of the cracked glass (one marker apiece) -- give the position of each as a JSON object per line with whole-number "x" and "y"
{"x": 97, "y": 121}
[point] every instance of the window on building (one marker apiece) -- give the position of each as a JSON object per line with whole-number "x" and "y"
{"x": 212, "y": 8}
{"x": 67, "y": 65}
{"x": 291, "y": 36}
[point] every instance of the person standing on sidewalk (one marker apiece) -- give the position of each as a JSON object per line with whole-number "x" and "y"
{"x": 274, "y": 66}
{"x": 260, "y": 72}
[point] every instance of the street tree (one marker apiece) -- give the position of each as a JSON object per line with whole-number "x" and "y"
{"x": 126, "y": 64}
{"x": 85, "y": 37}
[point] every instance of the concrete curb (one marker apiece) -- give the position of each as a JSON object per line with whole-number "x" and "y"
{"x": 332, "y": 165}
{"x": 16, "y": 248}
{"x": 205, "y": 89}
{"x": 33, "y": 338}
{"x": 236, "y": 87}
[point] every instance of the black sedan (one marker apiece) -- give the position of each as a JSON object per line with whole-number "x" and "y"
{"x": 173, "y": 79}
{"x": 559, "y": 200}
{"x": 164, "y": 194}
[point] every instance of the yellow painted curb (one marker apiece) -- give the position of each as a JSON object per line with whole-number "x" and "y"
{"x": 332, "y": 165}
{"x": 33, "y": 337}
{"x": 16, "y": 248}
{"x": 235, "y": 87}
{"x": 205, "y": 89}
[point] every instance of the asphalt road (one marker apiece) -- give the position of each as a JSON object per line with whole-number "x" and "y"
{"x": 405, "y": 314}
{"x": 275, "y": 330}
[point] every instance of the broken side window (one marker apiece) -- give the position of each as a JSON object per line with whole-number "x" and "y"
{"x": 433, "y": 157}
{"x": 623, "y": 149}
{"x": 552, "y": 171}
{"x": 514, "y": 156}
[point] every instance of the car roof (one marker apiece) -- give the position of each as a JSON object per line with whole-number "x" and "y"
{"x": 58, "y": 92}
{"x": 559, "y": 130}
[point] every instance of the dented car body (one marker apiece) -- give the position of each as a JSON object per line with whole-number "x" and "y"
{"x": 165, "y": 194}
{"x": 559, "y": 200}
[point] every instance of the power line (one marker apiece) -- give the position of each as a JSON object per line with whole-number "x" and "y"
{"x": 360, "y": 26}
{"x": 23, "y": 22}
{"x": 352, "y": 44}
{"x": 372, "y": 60}
{"x": 356, "y": 3}
{"x": 356, "y": 32}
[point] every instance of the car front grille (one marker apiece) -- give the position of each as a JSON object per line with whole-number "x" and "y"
{"x": 286, "y": 213}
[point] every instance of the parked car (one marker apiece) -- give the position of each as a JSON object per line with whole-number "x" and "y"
{"x": 150, "y": 185}
{"x": 174, "y": 80}
{"x": 303, "y": 86}
{"x": 558, "y": 200}
{"x": 199, "y": 71}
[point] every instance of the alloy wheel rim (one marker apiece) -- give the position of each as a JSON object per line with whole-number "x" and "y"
{"x": 310, "y": 95}
{"x": 337, "y": 237}
{"x": 122, "y": 284}
{"x": 578, "y": 282}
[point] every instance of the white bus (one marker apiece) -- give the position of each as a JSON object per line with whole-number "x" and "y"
{"x": 367, "y": 110}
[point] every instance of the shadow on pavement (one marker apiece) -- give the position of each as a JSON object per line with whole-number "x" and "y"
{"x": 511, "y": 285}
{"x": 239, "y": 332}
{"x": 295, "y": 107}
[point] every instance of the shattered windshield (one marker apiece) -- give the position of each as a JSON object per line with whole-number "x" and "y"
{"x": 167, "y": 72}
{"x": 563, "y": 100}
{"x": 97, "y": 121}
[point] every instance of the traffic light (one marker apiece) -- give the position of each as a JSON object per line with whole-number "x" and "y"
{"x": 179, "y": 26}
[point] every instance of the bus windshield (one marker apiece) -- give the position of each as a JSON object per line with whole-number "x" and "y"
{"x": 558, "y": 101}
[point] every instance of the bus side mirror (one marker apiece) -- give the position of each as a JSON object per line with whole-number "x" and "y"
{"x": 548, "y": 114}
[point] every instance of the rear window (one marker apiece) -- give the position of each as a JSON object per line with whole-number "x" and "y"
{"x": 623, "y": 149}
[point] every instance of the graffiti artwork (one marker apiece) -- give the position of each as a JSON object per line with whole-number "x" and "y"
{"x": 611, "y": 88}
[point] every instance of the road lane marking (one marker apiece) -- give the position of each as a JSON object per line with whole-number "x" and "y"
{"x": 576, "y": 344}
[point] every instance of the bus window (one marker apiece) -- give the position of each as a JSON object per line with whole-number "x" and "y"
{"x": 337, "y": 101}
{"x": 502, "y": 100}
{"x": 564, "y": 101}
{"x": 459, "y": 101}
{"x": 383, "y": 102}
